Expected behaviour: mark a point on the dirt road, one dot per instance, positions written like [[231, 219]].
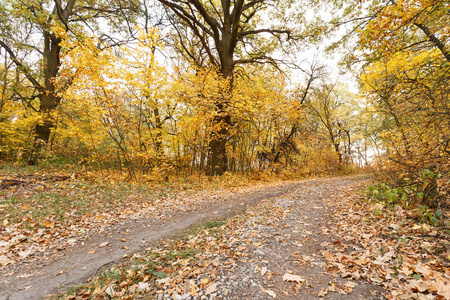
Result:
[[79, 263]]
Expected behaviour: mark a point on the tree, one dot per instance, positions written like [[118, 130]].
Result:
[[335, 108], [29, 37], [231, 34], [405, 49], [387, 27]]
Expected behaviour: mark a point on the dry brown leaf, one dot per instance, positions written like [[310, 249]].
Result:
[[211, 289], [269, 292], [143, 286], [418, 285], [104, 244], [322, 293], [49, 224], [293, 278]]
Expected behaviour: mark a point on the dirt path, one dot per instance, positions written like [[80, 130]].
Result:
[[285, 230], [79, 263], [283, 250]]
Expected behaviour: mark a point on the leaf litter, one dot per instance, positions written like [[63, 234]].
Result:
[[247, 256], [361, 247], [388, 247], [44, 214]]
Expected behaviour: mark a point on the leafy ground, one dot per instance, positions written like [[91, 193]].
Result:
[[104, 233], [316, 239], [323, 240], [42, 212]]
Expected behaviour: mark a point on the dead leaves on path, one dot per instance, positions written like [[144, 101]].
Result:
[[190, 267], [386, 247], [45, 214]]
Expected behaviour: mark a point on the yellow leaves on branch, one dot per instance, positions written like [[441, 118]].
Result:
[[394, 24], [404, 65]]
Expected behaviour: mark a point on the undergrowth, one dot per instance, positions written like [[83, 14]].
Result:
[[425, 195]]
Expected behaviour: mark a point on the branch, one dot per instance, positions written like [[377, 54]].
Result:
[[433, 39], [210, 20], [27, 100], [22, 67], [201, 38], [186, 16], [265, 30]]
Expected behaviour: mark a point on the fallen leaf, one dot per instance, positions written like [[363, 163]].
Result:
[[293, 278], [92, 252], [25, 254], [162, 280], [24, 275], [322, 293], [204, 281], [144, 286], [211, 289], [4, 260], [324, 244], [103, 244], [49, 224], [269, 292], [442, 288], [71, 241], [110, 291], [351, 284]]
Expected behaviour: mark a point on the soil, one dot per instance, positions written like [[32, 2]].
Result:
[[309, 212]]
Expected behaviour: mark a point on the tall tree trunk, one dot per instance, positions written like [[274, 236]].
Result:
[[48, 98], [217, 158], [221, 124], [159, 138]]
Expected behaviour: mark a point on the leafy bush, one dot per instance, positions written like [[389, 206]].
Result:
[[422, 195]]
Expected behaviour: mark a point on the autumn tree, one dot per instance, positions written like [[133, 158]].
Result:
[[29, 38], [231, 33], [404, 48], [336, 109]]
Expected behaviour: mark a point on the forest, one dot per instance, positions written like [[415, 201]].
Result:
[[149, 92], [150, 88]]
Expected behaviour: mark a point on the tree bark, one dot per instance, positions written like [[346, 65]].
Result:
[[48, 99], [217, 158]]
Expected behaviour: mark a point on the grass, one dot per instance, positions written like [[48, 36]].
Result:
[[93, 193], [214, 223]]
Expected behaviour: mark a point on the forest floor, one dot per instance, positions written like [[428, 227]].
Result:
[[293, 240]]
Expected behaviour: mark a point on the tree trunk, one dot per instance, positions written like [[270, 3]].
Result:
[[217, 158], [338, 152], [159, 138], [48, 98]]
